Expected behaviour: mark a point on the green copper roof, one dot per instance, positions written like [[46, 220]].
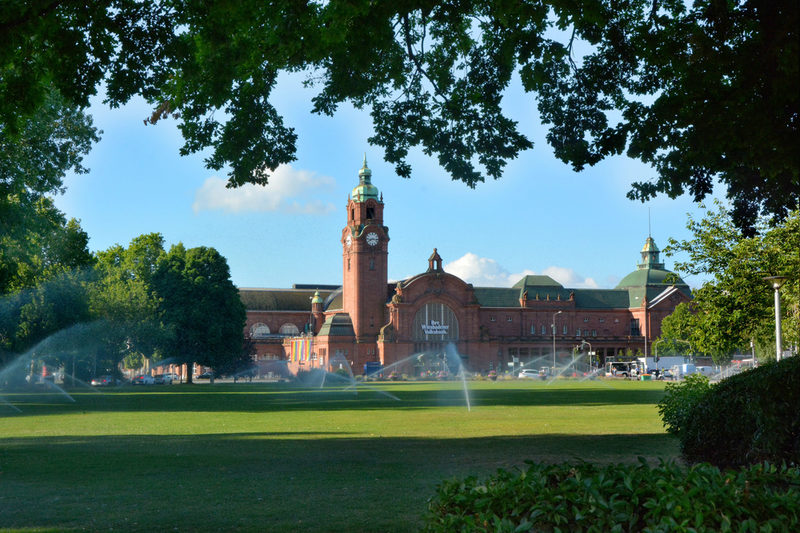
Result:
[[537, 281], [334, 301], [638, 294], [584, 298], [279, 299], [650, 276], [650, 253], [497, 297], [365, 189], [650, 245], [338, 325], [601, 299]]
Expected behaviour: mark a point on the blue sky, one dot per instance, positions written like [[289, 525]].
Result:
[[541, 217]]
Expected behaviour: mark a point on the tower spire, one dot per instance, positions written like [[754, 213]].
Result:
[[650, 255], [365, 189]]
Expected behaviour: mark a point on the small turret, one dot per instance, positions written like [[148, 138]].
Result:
[[650, 255], [317, 312], [435, 262], [365, 189]]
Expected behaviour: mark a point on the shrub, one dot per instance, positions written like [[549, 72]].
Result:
[[748, 418], [679, 400], [344, 372], [587, 497]]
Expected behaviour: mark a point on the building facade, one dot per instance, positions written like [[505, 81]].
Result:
[[401, 325]]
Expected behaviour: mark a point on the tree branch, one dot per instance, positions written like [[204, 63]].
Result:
[[416, 61], [31, 14]]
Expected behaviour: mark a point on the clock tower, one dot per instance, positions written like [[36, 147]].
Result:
[[365, 259]]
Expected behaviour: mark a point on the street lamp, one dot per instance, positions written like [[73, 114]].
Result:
[[777, 283], [591, 353], [655, 347], [553, 325]]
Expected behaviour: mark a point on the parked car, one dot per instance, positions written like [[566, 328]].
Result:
[[666, 374], [143, 379], [205, 375], [103, 381], [162, 379], [528, 373]]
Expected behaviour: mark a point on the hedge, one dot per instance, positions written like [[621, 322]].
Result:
[[591, 498], [746, 419]]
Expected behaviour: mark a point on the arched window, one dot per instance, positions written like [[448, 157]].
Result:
[[289, 329], [435, 322], [259, 331]]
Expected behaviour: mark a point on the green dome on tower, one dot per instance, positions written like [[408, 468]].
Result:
[[365, 189], [651, 271]]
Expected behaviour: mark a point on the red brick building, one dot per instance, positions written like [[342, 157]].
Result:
[[369, 319]]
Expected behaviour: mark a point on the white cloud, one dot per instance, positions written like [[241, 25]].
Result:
[[569, 278], [289, 191], [484, 272]]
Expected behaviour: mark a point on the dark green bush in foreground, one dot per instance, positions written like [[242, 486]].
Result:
[[679, 401], [746, 419], [588, 497]]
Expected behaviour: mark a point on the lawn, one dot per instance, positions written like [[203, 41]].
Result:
[[274, 457]]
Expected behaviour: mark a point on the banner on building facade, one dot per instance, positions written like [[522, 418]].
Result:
[[301, 349]]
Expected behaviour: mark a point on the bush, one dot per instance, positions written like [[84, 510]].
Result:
[[679, 400], [746, 419], [587, 497]]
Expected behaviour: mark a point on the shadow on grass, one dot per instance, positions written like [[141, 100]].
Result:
[[283, 397], [264, 481]]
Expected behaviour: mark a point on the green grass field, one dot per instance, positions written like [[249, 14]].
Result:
[[273, 457]]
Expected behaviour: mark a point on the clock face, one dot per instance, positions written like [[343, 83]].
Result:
[[372, 239], [348, 241]]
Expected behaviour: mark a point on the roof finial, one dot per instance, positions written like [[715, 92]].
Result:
[[649, 233], [365, 173]]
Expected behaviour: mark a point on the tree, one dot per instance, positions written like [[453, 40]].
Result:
[[45, 143], [44, 258], [241, 365], [735, 308], [41, 248], [124, 297], [200, 307], [677, 332], [700, 92], [45, 268], [36, 240], [42, 317]]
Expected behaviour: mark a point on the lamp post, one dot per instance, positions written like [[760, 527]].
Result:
[[777, 282], [591, 353], [655, 359], [554, 340], [655, 347]]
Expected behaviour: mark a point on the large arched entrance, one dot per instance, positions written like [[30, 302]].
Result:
[[435, 327]]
